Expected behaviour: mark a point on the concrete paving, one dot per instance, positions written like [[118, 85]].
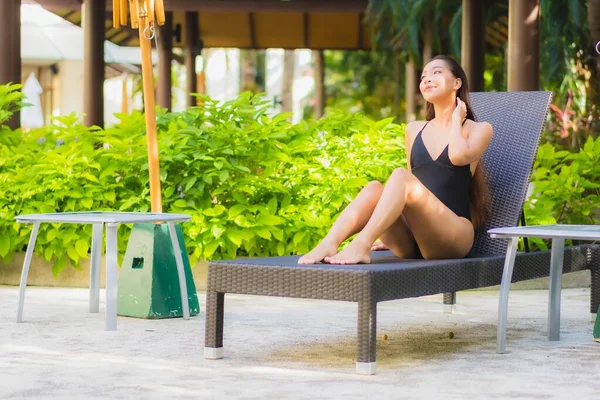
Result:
[[298, 349]]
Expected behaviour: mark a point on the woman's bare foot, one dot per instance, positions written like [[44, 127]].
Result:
[[355, 253], [316, 255], [378, 245]]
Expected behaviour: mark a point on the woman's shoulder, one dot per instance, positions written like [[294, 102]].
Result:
[[413, 127], [479, 127]]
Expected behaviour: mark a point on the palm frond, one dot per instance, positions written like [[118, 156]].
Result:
[[455, 33]]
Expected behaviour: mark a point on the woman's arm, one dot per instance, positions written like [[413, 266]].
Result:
[[410, 132], [461, 150]]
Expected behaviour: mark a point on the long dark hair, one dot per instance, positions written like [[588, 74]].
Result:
[[479, 195]]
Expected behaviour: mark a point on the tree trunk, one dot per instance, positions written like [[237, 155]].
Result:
[[289, 59], [411, 88], [252, 67], [398, 87], [248, 70], [427, 55], [319, 68], [594, 27]]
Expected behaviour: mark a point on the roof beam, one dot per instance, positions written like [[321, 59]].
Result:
[[346, 6], [306, 30], [252, 28], [359, 41]]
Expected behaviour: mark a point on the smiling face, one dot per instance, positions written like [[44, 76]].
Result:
[[437, 81]]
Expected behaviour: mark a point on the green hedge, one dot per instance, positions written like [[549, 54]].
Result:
[[255, 185], [565, 187]]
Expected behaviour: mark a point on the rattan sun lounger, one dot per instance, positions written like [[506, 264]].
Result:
[[518, 119]]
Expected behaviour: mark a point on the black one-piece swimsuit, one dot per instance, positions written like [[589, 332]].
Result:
[[448, 182]]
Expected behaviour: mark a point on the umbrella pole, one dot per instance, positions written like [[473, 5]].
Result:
[[150, 114]]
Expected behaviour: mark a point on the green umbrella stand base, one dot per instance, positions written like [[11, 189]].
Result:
[[597, 327], [148, 281]]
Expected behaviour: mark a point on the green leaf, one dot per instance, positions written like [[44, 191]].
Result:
[[73, 254], [263, 233], [235, 237], [82, 248], [277, 233], [240, 198], [588, 147], [223, 175], [51, 234], [280, 249], [269, 220], [59, 266], [91, 177], [215, 211], [4, 246], [210, 248], [272, 206], [87, 202], [48, 252], [242, 221], [110, 196], [190, 183], [236, 210], [128, 205], [217, 231], [181, 203]]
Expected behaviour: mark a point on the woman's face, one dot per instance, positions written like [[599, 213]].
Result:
[[437, 81]]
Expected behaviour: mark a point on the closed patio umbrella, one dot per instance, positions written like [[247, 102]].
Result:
[[145, 14]]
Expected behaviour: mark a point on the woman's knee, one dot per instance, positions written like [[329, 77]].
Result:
[[400, 173], [414, 189], [374, 188]]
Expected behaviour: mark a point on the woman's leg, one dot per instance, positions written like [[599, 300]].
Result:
[[352, 219], [397, 238], [448, 235]]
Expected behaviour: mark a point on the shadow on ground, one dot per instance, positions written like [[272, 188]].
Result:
[[403, 347]]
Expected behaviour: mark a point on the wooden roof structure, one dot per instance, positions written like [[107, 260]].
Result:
[[250, 24], [262, 24]]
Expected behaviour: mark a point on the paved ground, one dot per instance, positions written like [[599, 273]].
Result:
[[297, 349]]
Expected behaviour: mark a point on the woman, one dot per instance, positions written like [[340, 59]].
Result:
[[431, 209]]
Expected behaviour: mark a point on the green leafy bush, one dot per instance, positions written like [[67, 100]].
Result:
[[255, 185], [565, 188]]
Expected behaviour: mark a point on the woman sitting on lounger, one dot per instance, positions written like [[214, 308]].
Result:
[[431, 209]]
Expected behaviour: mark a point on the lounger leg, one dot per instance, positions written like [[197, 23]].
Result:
[[213, 335], [25, 271], [556, 268], [449, 302], [595, 293], [111, 277], [366, 338], [509, 264], [185, 303], [95, 267]]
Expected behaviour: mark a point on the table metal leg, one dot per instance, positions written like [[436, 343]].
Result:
[[25, 271], [111, 276], [556, 269], [95, 267], [509, 264], [185, 305]]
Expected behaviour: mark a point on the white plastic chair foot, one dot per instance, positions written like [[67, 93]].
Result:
[[364, 368], [449, 308], [212, 353]]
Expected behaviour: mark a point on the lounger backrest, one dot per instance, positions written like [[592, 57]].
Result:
[[518, 120]]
